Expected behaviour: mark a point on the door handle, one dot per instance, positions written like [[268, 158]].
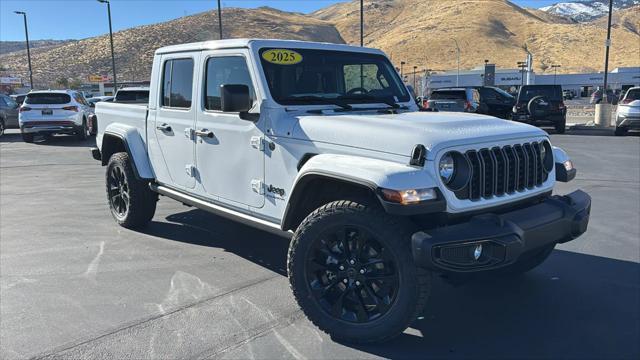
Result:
[[204, 133], [164, 128]]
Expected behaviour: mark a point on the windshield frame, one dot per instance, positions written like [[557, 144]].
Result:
[[405, 101]]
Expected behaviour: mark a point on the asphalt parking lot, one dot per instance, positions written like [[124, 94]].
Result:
[[192, 285]]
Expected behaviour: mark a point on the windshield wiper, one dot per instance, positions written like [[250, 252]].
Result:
[[387, 101], [321, 99]]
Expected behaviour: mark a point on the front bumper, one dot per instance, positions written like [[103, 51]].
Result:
[[490, 241], [629, 122]]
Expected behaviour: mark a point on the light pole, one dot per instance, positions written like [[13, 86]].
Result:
[[458, 73], [522, 65], [415, 70], [555, 72], [26, 33], [402, 69], [361, 22], [607, 45], [113, 57], [219, 20]]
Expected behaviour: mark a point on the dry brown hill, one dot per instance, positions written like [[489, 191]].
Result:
[[422, 32], [626, 18], [134, 47]]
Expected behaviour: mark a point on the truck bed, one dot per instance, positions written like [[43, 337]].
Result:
[[133, 115]]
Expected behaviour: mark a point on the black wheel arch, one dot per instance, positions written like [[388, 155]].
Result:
[[315, 189], [115, 143]]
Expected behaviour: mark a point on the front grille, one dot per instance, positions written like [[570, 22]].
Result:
[[503, 170]]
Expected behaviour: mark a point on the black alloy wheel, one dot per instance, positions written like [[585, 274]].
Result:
[[351, 275], [118, 191]]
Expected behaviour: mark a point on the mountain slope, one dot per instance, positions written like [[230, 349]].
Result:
[[134, 47], [12, 46], [626, 18], [421, 33], [587, 10]]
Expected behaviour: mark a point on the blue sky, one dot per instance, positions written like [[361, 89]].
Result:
[[78, 19]]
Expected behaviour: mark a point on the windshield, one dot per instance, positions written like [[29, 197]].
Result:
[[448, 95], [503, 93], [633, 94], [552, 92], [309, 76], [47, 98], [132, 96]]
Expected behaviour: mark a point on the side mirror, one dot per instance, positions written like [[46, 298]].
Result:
[[235, 98]]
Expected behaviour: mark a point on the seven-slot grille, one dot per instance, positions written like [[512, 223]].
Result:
[[503, 170]]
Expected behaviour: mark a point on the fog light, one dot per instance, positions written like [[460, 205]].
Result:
[[477, 252]]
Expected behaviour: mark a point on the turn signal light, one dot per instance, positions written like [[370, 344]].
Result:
[[70, 108], [407, 197]]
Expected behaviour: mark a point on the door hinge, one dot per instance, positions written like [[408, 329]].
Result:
[[257, 142], [257, 186], [190, 169], [188, 132]]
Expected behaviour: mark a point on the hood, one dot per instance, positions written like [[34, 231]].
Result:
[[399, 133]]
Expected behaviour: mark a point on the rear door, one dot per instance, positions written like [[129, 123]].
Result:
[[175, 118], [230, 158]]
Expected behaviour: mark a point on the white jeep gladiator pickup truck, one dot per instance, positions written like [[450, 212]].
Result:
[[324, 143]]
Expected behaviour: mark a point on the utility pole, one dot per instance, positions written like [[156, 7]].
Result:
[[555, 72], [361, 22], [607, 45], [113, 57], [415, 70], [219, 20], [458, 73], [26, 33]]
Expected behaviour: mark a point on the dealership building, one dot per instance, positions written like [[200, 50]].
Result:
[[511, 79]]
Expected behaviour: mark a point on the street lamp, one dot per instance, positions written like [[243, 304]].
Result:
[[415, 70], [522, 66], [361, 22], [26, 33], [458, 73], [402, 69], [113, 57], [607, 45], [219, 20], [555, 72]]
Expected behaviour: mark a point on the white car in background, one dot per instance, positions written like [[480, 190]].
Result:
[[51, 112], [628, 113]]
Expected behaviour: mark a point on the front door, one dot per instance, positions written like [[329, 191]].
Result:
[[229, 153], [174, 120]]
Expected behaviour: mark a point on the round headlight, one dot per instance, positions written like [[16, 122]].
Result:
[[446, 167]]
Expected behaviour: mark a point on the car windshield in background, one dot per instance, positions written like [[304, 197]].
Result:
[[448, 95], [552, 92], [132, 96], [633, 94], [309, 76], [47, 98], [503, 93]]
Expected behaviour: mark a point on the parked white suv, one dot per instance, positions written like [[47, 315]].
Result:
[[49, 112], [324, 143], [628, 112]]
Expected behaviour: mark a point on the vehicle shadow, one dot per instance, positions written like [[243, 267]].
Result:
[[56, 140], [572, 306]]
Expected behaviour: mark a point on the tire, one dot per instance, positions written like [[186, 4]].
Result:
[[131, 201], [384, 313], [529, 261], [561, 126], [620, 131], [83, 132], [1, 127], [28, 138]]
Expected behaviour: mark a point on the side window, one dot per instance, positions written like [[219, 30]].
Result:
[[221, 71], [177, 83]]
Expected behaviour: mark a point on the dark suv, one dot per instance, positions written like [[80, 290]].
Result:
[[487, 100], [541, 105]]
